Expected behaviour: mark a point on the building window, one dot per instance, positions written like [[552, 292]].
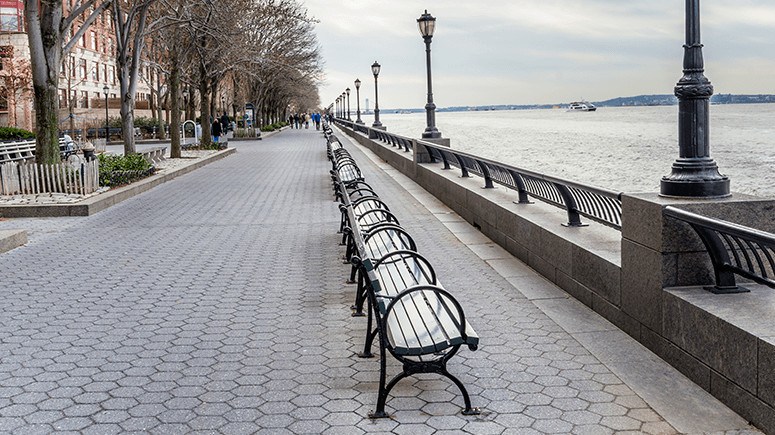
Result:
[[83, 69], [10, 19], [84, 99], [93, 37], [95, 75], [105, 72], [3, 100], [6, 53], [62, 98]]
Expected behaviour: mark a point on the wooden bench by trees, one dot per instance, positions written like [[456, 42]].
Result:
[[153, 155], [24, 150]]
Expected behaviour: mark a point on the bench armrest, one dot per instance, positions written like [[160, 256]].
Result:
[[402, 254], [446, 313], [387, 215]]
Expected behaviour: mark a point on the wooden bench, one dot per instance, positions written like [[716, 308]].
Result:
[[24, 150], [382, 240], [153, 155], [414, 318]]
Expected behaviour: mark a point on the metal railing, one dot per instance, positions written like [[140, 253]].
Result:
[[733, 249], [600, 205], [394, 140]]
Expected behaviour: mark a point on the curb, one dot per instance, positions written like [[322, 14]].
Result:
[[11, 239], [100, 202]]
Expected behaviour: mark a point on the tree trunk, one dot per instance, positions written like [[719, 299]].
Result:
[[174, 99], [127, 112], [43, 20], [204, 107], [47, 123]]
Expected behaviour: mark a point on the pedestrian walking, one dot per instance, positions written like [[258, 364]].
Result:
[[225, 122], [215, 131]]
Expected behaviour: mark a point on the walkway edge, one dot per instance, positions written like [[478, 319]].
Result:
[[12, 239], [100, 202]]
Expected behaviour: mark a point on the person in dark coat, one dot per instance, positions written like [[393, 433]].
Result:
[[225, 123], [215, 131]]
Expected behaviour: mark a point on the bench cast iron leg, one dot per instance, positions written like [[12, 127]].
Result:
[[468, 410], [382, 395], [369, 338], [360, 295]]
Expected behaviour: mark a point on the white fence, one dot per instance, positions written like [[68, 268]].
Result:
[[29, 178]]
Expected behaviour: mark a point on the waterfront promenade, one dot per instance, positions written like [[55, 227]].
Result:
[[217, 303]]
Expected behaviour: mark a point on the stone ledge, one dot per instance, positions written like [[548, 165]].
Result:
[[102, 201], [12, 239]]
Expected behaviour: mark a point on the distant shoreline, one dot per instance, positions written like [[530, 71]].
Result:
[[636, 101]]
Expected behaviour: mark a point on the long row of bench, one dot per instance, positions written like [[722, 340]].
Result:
[[409, 313]]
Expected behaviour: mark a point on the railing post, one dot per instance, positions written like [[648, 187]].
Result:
[[521, 189], [445, 161], [719, 257], [462, 166], [574, 219], [486, 174]]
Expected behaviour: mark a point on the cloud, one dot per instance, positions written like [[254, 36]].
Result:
[[515, 52]]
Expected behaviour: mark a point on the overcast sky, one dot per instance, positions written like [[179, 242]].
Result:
[[538, 51]]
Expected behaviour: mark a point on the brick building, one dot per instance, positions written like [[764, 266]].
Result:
[[87, 70]]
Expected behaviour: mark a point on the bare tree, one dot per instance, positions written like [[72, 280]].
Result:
[[50, 36], [130, 21]]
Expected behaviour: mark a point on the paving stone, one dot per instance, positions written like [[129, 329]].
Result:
[[216, 303]]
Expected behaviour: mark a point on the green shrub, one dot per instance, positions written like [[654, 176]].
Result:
[[117, 170], [273, 127], [13, 133]]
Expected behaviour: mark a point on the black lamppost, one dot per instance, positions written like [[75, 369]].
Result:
[[375, 67], [105, 90], [694, 174], [223, 104], [427, 25], [344, 106], [336, 112], [185, 104], [347, 91], [358, 102]]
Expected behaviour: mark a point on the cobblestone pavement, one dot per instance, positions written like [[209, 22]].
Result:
[[216, 303]]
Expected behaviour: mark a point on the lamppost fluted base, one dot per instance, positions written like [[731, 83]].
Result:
[[378, 125], [695, 180]]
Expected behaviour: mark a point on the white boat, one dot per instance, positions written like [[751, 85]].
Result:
[[581, 106]]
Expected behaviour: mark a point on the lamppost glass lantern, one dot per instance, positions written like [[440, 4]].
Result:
[[358, 102], [105, 90], [427, 24], [375, 68]]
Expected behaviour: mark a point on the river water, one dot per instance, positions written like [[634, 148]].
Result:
[[625, 149]]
